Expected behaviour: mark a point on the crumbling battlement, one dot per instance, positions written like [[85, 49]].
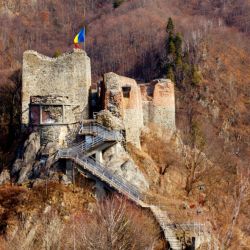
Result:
[[123, 100], [55, 96], [55, 92], [139, 105], [158, 100], [68, 75]]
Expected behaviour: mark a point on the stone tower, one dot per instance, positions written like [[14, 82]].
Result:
[[139, 105], [55, 93], [123, 99], [158, 101]]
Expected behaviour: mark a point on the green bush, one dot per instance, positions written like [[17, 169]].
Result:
[[196, 76], [57, 53]]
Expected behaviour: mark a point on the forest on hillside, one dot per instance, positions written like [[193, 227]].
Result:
[[135, 29], [130, 38], [202, 45]]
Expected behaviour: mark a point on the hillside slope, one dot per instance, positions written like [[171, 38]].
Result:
[[130, 40]]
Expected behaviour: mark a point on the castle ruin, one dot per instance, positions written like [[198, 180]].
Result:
[[56, 97]]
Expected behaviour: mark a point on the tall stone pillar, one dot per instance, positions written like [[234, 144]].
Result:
[[99, 157]]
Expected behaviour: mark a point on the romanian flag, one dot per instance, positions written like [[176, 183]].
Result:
[[80, 37]]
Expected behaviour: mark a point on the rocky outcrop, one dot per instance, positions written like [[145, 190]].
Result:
[[23, 167], [35, 160], [121, 164], [107, 119]]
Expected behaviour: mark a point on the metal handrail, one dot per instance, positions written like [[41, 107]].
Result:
[[103, 134], [132, 187], [78, 153], [96, 166], [94, 127], [114, 181], [81, 147]]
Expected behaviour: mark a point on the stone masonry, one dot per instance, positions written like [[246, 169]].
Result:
[[55, 97], [123, 100], [158, 101], [139, 105], [55, 92]]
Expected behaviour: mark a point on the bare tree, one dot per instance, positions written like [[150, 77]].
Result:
[[241, 190], [113, 224]]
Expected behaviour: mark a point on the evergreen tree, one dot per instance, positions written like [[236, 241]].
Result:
[[196, 76], [170, 26], [178, 61], [175, 63], [171, 48], [170, 74], [178, 44]]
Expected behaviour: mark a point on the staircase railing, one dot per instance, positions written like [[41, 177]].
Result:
[[101, 133], [98, 129], [124, 185], [80, 148], [98, 170], [78, 154]]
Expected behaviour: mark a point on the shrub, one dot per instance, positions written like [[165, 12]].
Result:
[[57, 53]]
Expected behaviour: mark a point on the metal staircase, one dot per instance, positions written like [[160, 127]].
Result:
[[101, 138], [79, 154]]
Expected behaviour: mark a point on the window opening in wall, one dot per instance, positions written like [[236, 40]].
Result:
[[126, 91], [52, 114], [46, 114], [35, 115]]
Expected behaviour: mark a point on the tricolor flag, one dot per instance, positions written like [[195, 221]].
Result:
[[80, 37]]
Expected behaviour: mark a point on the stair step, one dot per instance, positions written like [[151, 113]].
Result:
[[86, 163]]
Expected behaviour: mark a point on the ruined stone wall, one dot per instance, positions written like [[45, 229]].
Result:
[[67, 77], [159, 103], [128, 108], [146, 104]]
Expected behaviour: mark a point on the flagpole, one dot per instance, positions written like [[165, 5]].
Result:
[[84, 44]]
